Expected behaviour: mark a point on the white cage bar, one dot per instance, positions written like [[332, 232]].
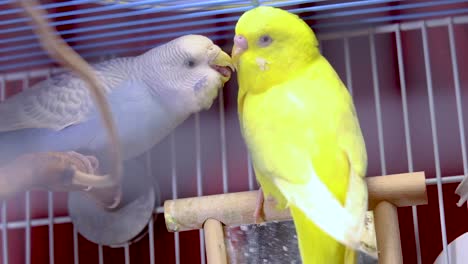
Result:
[[347, 58], [27, 198], [456, 79], [199, 174], [50, 213], [378, 108], [409, 153], [149, 170], [174, 191], [4, 203], [430, 89]]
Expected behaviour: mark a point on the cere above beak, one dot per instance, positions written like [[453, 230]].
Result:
[[240, 45]]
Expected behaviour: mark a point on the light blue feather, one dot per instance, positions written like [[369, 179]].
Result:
[[140, 115]]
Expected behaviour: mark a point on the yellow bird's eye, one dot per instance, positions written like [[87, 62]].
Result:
[[264, 41]]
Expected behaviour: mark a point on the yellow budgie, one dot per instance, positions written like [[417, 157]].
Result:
[[301, 129]]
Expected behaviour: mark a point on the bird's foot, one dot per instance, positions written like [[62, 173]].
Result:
[[258, 213], [103, 188]]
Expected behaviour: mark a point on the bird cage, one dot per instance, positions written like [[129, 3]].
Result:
[[404, 63]]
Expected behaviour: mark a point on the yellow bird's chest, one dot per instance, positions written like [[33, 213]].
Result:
[[287, 129], [286, 115], [273, 125], [263, 124]]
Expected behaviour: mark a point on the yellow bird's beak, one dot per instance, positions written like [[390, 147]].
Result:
[[240, 45], [222, 63]]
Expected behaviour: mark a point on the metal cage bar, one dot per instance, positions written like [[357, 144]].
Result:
[[21, 224], [409, 153], [4, 203], [328, 36], [198, 166], [174, 192], [76, 256], [27, 200], [427, 66], [149, 171], [347, 58], [178, 7], [221, 11], [222, 131], [182, 24], [45, 6], [456, 81], [378, 107], [381, 29], [118, 15], [151, 240], [250, 172], [100, 254], [127, 253], [50, 214]]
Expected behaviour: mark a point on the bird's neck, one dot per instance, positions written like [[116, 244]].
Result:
[[258, 79]]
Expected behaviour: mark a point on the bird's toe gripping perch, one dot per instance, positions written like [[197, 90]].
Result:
[[102, 210], [54, 171], [121, 224], [104, 189]]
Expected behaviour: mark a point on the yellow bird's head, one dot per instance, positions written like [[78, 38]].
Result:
[[271, 45]]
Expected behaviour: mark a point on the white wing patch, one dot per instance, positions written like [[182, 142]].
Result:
[[345, 224]]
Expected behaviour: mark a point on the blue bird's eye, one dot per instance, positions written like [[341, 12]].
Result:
[[190, 63]]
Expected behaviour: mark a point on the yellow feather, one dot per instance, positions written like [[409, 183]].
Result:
[[297, 117]]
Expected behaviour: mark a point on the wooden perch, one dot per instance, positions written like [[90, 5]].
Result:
[[238, 208], [214, 240], [388, 233], [405, 189], [386, 193], [56, 171]]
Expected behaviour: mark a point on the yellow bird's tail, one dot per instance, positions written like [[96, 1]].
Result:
[[317, 247]]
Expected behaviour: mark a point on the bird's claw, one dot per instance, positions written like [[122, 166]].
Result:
[[90, 181], [258, 213], [103, 188]]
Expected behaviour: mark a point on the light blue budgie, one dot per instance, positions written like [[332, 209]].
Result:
[[149, 95]]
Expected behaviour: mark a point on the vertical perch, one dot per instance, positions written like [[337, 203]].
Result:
[[214, 242], [388, 233]]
